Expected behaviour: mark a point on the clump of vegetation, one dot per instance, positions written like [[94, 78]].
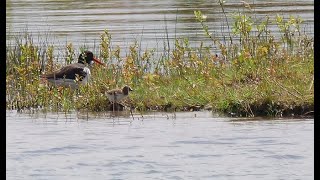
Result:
[[256, 74]]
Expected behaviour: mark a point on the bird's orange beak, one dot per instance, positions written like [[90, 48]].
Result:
[[98, 61]]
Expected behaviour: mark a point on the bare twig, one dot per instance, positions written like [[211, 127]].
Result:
[[225, 15], [311, 84], [286, 89]]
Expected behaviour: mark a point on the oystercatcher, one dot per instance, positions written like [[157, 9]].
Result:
[[70, 74], [116, 95]]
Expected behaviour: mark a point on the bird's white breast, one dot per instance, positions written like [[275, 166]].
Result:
[[86, 79]]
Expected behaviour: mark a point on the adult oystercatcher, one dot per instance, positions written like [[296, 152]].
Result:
[[70, 74]]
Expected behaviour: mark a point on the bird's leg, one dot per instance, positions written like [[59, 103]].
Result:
[[115, 100], [131, 113]]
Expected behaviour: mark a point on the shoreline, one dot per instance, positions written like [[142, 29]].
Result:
[[304, 111]]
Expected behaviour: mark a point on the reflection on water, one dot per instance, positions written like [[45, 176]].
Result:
[[193, 145], [151, 23]]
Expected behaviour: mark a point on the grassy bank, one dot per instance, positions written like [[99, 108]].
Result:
[[256, 74]]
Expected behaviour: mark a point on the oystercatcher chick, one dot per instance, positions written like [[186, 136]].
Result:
[[117, 95]]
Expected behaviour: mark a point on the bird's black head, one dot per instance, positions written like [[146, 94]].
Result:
[[86, 57], [126, 89]]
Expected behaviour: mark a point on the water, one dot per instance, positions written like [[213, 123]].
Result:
[[157, 146], [151, 23], [194, 145]]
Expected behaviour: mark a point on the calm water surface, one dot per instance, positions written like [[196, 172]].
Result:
[[193, 145], [150, 23], [157, 146]]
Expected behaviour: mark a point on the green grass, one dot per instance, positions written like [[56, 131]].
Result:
[[260, 75]]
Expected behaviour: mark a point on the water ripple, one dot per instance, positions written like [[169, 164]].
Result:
[[206, 148], [201, 142], [288, 156]]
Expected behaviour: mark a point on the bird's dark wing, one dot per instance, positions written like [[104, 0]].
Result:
[[114, 91], [67, 72]]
